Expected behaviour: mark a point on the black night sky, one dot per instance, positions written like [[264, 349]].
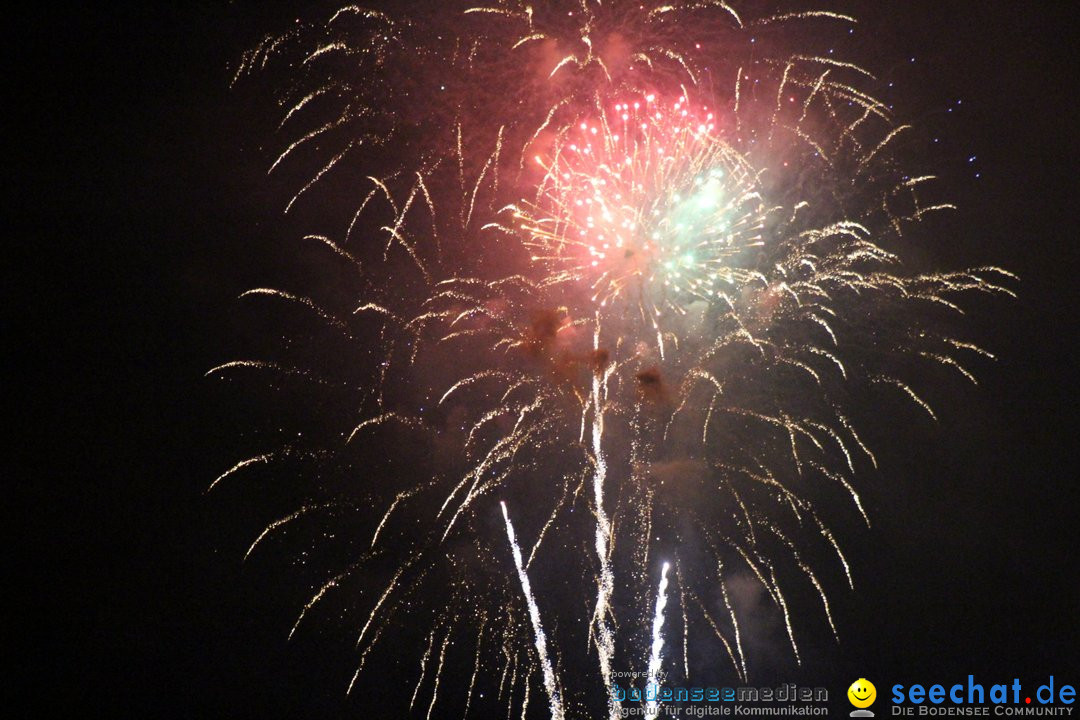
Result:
[[138, 217]]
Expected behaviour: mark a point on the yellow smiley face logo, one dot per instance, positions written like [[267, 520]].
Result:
[[862, 693]]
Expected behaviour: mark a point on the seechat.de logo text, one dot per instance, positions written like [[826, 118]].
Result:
[[974, 698]]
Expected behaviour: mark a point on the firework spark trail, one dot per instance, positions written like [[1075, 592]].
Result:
[[605, 638], [550, 685], [720, 636], [321, 593], [423, 669], [547, 525], [386, 516], [525, 701], [475, 673], [652, 707], [734, 624], [685, 623], [438, 674], [237, 467], [281, 522], [363, 660], [779, 596]]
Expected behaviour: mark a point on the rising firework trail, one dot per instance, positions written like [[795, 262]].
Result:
[[652, 707], [637, 269], [554, 698]]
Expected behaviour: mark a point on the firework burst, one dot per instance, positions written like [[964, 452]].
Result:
[[647, 205], [620, 282]]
